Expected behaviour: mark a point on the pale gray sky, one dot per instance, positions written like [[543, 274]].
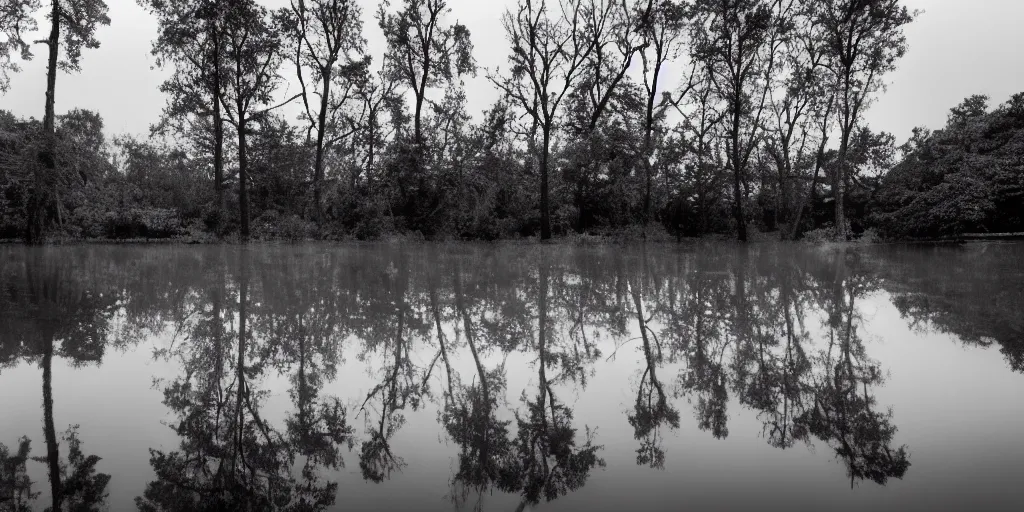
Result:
[[957, 48]]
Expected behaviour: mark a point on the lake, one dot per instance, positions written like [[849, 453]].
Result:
[[512, 377]]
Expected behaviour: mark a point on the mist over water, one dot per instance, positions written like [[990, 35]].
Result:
[[508, 377]]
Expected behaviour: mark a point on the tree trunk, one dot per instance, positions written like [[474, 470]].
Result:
[[737, 173], [418, 123], [243, 178], [218, 132], [840, 185], [809, 198], [52, 452], [545, 214], [737, 197], [47, 165], [648, 140], [318, 165]]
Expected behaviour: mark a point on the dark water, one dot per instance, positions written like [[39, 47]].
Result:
[[471, 377]]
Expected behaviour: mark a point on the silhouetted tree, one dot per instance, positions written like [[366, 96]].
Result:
[[549, 52], [328, 43]]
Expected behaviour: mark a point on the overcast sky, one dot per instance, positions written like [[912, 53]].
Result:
[[957, 48]]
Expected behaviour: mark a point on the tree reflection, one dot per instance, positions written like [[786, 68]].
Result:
[[546, 462], [651, 409], [50, 307], [229, 458], [299, 321], [772, 366], [697, 327], [722, 329], [15, 485], [470, 418], [978, 299], [388, 326], [739, 323], [842, 413]]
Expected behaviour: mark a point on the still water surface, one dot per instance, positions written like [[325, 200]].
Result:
[[461, 377]]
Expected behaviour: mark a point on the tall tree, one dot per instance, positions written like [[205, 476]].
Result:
[[253, 55], [798, 95], [661, 27], [736, 42], [74, 23], [373, 95], [548, 56], [190, 37], [863, 40], [328, 43]]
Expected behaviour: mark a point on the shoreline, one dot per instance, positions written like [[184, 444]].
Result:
[[571, 240]]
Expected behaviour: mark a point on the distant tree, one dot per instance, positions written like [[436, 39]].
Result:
[[374, 95], [609, 26], [971, 107], [961, 179], [548, 56], [799, 94], [736, 42], [696, 150], [661, 26]]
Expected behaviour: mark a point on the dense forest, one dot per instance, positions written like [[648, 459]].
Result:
[[759, 130]]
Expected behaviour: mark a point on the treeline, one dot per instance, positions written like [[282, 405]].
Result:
[[691, 118]]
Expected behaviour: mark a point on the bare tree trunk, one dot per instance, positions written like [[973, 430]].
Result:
[[737, 171], [840, 184], [810, 196]]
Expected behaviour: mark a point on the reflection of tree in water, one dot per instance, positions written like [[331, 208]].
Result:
[[15, 485], [771, 364], [229, 457], [470, 417], [299, 321], [761, 304], [731, 324], [651, 409], [48, 309], [388, 325], [842, 412], [696, 327], [978, 299], [546, 462]]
